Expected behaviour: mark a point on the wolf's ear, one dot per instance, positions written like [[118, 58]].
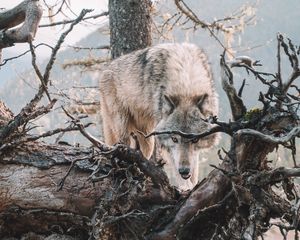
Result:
[[200, 100], [169, 104]]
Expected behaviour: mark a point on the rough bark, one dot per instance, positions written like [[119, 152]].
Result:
[[30, 198], [36, 181], [130, 26]]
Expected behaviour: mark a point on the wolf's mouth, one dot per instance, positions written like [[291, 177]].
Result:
[[185, 176]]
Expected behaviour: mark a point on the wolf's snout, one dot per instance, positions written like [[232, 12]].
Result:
[[184, 172]]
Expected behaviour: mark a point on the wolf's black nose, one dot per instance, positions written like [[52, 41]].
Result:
[[184, 171]]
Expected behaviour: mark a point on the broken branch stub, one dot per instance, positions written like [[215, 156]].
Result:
[[238, 108], [29, 12]]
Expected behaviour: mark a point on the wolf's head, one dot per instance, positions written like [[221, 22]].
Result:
[[186, 114]]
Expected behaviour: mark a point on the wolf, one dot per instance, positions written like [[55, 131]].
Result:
[[164, 87]]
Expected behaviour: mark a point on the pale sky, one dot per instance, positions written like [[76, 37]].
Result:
[[50, 35]]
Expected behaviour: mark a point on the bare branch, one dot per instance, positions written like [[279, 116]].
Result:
[[294, 61], [238, 108], [218, 24], [55, 131], [4, 61], [89, 62], [242, 88], [30, 138], [295, 132], [23, 117], [37, 71], [236, 22], [293, 76], [97, 143], [212, 130], [189, 13], [73, 20], [279, 76], [77, 48], [45, 78], [61, 40]]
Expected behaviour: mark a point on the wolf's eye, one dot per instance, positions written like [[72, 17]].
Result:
[[174, 139], [195, 140], [200, 101]]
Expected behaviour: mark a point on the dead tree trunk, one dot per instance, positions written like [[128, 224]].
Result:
[[74, 191]]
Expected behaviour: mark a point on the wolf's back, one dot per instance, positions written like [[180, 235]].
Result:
[[142, 78]]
